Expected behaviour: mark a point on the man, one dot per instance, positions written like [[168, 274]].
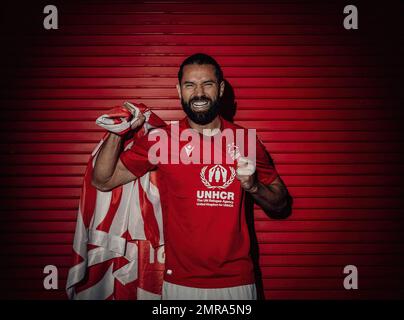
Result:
[[206, 235]]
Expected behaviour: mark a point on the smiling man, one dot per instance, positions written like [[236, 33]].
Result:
[[207, 243]]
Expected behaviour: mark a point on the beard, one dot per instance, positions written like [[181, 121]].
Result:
[[204, 116]]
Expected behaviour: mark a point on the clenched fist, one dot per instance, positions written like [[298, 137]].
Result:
[[246, 174]]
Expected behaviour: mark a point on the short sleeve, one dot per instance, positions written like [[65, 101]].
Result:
[[264, 165], [136, 158]]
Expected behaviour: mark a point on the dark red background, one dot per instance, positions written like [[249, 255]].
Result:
[[326, 101]]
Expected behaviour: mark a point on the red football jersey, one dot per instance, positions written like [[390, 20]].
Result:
[[207, 242]]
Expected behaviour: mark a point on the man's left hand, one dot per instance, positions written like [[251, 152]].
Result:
[[246, 174]]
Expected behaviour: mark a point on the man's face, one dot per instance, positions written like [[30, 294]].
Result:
[[200, 93]]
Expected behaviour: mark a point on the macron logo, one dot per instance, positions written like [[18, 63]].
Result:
[[188, 149]]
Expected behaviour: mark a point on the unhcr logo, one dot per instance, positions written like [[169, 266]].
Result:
[[217, 176]]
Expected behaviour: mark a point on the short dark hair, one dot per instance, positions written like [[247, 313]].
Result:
[[201, 58]]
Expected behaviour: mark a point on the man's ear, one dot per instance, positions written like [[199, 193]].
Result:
[[222, 85], [179, 91]]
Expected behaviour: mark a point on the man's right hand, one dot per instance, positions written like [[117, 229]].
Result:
[[121, 119], [138, 116]]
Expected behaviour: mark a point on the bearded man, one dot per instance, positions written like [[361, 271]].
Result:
[[207, 241]]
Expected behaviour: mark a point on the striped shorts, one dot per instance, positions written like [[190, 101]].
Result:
[[171, 291]]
